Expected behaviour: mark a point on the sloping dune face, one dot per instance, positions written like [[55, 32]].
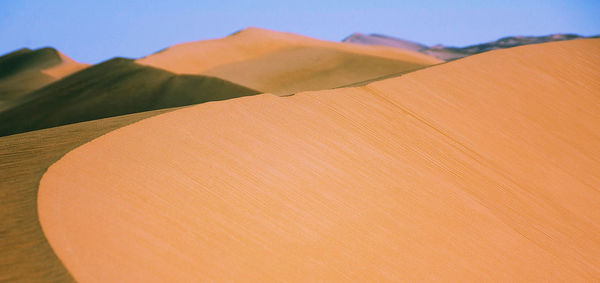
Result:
[[260, 52], [479, 169]]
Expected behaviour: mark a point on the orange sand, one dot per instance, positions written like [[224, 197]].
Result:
[[26, 255], [482, 169]]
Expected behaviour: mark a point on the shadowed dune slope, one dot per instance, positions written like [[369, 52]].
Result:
[[26, 255], [269, 61], [25, 70], [115, 87], [482, 169]]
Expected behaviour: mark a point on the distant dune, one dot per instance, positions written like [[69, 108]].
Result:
[[285, 63], [112, 88], [25, 70], [449, 53], [481, 169], [378, 39]]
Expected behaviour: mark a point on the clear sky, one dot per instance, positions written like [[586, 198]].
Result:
[[95, 30]]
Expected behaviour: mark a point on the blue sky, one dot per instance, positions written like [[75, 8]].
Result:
[[93, 31]]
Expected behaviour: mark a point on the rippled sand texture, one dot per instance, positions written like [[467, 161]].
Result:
[[486, 168], [25, 253]]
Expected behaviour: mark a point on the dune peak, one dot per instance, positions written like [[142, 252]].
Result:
[[268, 60]]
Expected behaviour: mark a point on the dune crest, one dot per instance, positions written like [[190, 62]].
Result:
[[26, 255], [480, 169]]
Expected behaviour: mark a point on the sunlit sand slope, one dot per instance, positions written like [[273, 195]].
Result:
[[285, 63], [26, 255], [481, 169]]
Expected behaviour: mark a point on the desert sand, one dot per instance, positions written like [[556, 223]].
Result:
[[48, 97], [481, 169], [26, 255], [285, 63]]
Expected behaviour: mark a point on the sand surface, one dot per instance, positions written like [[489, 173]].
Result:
[[274, 59], [26, 255], [486, 168]]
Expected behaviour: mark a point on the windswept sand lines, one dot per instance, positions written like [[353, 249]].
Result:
[[485, 168], [26, 255]]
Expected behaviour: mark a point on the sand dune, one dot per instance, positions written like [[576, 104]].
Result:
[[481, 169], [113, 88], [274, 59], [25, 70]]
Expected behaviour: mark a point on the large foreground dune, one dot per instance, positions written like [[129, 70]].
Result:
[[481, 169], [285, 63]]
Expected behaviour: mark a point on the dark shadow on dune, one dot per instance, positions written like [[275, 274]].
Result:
[[112, 88], [26, 59], [20, 73]]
